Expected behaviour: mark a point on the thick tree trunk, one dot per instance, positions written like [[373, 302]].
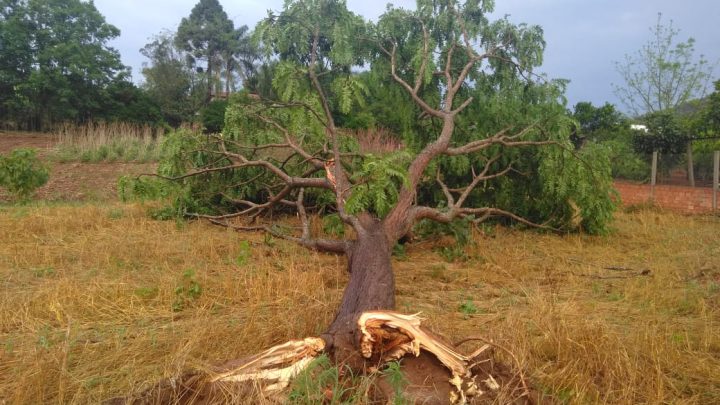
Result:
[[372, 282]]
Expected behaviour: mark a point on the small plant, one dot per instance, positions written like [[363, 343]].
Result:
[[452, 254], [399, 252], [395, 377], [319, 383], [333, 225], [243, 253], [147, 292], [468, 308], [44, 272], [21, 173], [189, 291]]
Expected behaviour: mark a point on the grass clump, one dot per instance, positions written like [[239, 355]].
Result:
[[96, 142]]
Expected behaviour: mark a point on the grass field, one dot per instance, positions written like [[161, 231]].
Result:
[[98, 300]]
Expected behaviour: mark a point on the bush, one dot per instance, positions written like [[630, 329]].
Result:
[[21, 173], [213, 116]]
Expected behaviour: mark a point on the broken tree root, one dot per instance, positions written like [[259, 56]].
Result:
[[434, 370]]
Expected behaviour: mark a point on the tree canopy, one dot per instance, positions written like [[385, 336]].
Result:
[[476, 117], [207, 34], [663, 74], [55, 65]]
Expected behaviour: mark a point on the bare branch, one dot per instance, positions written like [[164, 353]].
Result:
[[421, 73], [413, 93], [321, 245], [422, 212]]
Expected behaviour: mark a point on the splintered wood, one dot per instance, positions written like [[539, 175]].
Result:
[[393, 335], [276, 367], [384, 336]]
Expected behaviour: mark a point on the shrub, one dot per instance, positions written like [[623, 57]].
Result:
[[213, 116], [21, 173]]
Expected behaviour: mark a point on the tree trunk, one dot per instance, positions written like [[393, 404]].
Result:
[[210, 78], [372, 282]]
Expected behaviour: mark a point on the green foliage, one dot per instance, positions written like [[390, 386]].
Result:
[[213, 116], [663, 74], [170, 80], [56, 65], [379, 178], [318, 383], [187, 292], [21, 173], [244, 253], [393, 374], [467, 308], [625, 162], [663, 135], [333, 225], [551, 184], [206, 34]]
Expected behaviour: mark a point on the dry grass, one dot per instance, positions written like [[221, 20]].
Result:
[[86, 310], [108, 142]]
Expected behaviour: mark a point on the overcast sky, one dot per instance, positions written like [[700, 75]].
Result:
[[584, 37]]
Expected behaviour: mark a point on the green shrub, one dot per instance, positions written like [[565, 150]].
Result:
[[21, 173], [213, 116]]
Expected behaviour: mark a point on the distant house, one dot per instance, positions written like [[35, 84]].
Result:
[[637, 127]]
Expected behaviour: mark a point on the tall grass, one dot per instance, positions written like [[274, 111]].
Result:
[[108, 142], [88, 309]]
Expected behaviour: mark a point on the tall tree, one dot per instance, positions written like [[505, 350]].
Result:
[[207, 34], [240, 58], [480, 119], [59, 59], [663, 74], [171, 81]]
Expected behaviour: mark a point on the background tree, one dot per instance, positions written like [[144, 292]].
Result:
[[240, 58], [170, 81], [57, 66], [207, 34], [663, 73], [480, 119]]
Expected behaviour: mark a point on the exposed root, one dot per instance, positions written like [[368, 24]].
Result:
[[435, 371], [393, 335]]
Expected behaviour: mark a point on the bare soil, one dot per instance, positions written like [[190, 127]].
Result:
[[71, 181]]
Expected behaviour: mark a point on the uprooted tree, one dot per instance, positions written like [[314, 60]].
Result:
[[486, 141]]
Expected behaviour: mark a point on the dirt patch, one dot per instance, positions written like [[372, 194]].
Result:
[[71, 181], [13, 140]]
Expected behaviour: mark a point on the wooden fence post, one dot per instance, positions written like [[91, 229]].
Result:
[[653, 175], [716, 178], [691, 170]]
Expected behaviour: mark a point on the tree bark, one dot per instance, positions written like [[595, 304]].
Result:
[[372, 282]]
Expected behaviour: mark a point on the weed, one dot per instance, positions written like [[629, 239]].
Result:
[[399, 252], [395, 377], [43, 272], [187, 292], [244, 253], [44, 339], [21, 173], [452, 254], [318, 383], [116, 213], [467, 308], [147, 292]]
